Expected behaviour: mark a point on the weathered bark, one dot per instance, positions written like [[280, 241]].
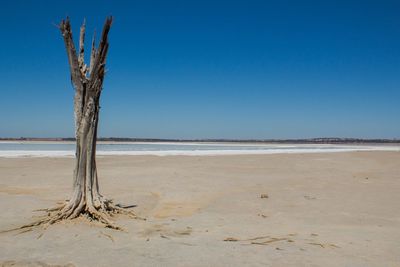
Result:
[[87, 81], [86, 197]]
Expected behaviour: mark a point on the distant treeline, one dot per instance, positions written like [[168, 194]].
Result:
[[329, 140]]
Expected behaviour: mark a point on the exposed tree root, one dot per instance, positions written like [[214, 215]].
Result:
[[72, 209]]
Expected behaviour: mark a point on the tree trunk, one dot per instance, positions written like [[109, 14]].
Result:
[[87, 81]]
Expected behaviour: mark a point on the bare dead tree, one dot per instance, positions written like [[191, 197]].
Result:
[[87, 80]]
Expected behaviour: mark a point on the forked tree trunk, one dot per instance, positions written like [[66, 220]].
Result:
[[88, 81]]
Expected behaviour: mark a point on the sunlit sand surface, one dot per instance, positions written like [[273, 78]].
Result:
[[316, 209]]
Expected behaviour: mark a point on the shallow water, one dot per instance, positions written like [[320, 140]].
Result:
[[62, 149]]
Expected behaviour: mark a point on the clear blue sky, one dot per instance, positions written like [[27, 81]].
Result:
[[209, 69]]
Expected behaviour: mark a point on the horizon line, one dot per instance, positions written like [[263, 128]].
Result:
[[136, 139]]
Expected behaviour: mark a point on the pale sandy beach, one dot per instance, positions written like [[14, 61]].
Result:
[[320, 209]]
